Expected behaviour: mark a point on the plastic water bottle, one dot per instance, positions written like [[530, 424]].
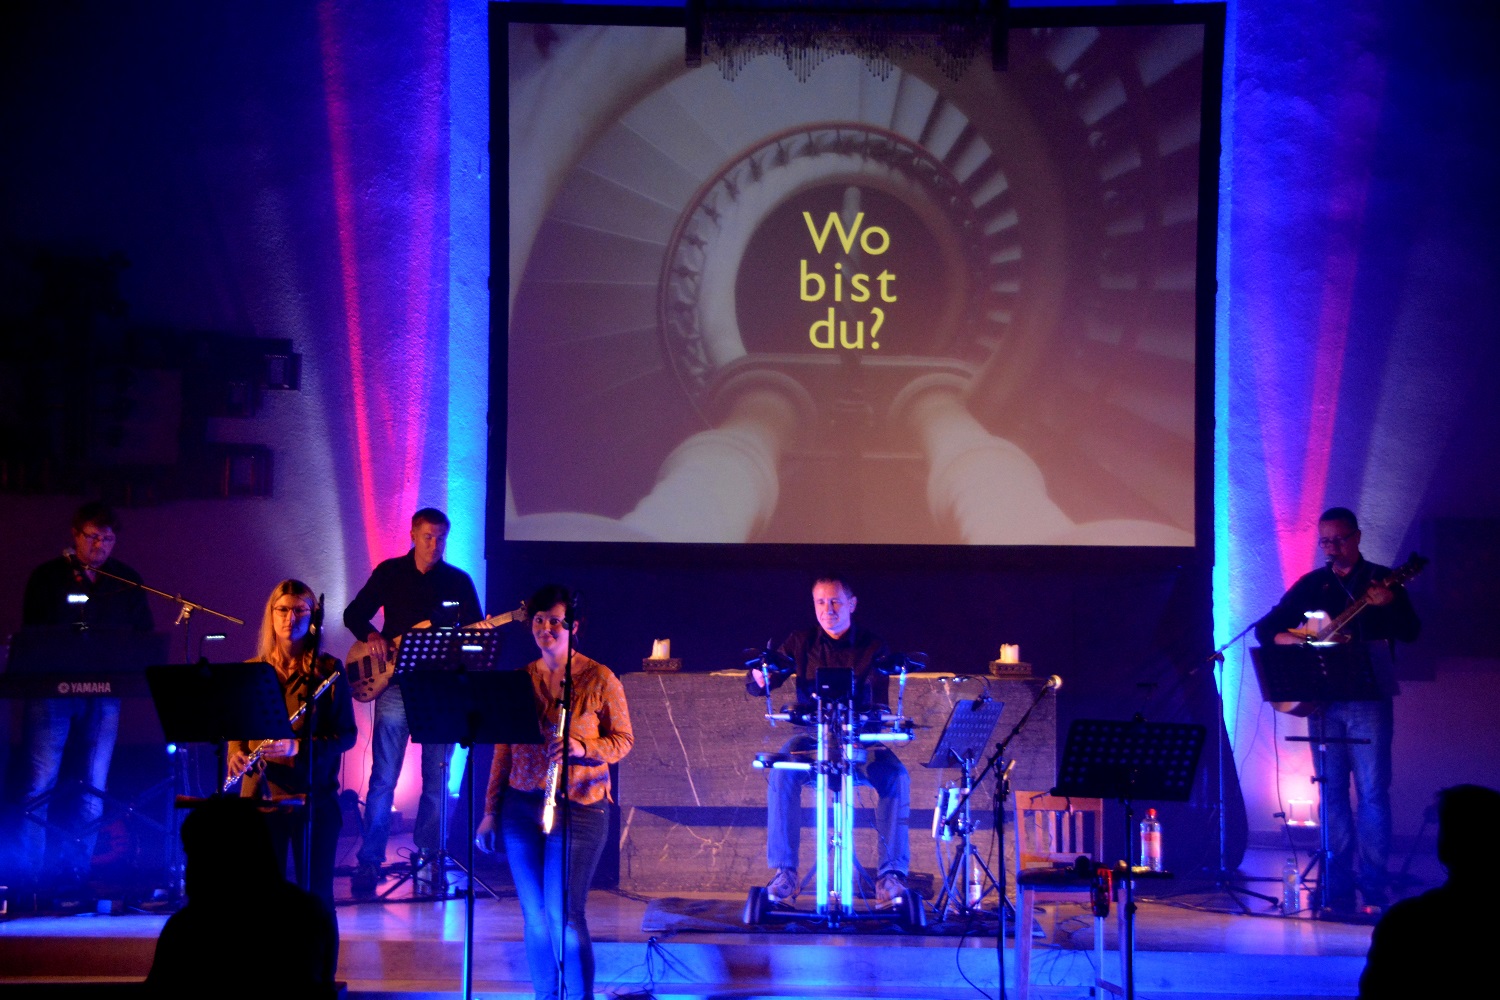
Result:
[[1151, 841], [1291, 888]]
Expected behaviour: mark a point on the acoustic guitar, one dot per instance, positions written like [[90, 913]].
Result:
[[1322, 631], [368, 677]]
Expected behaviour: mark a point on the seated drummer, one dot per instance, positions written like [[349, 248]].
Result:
[[836, 642]]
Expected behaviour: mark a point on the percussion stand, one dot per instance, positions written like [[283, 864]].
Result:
[[838, 752], [970, 725], [967, 863]]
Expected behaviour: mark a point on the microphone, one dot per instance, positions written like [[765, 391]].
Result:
[[574, 607], [75, 564], [317, 615], [1053, 683]]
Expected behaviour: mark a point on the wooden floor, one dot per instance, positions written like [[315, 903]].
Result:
[[1185, 950]]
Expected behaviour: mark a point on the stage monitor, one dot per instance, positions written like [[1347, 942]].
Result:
[[805, 297]]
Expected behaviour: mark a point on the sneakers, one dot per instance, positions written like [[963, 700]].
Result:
[[365, 876], [890, 890], [783, 888]]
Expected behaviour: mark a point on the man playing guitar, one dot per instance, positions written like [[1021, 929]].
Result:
[[415, 588], [1386, 617]]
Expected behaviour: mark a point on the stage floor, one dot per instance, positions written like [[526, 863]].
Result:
[[1185, 950]]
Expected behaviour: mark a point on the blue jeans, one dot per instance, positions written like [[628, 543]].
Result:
[[536, 867], [389, 741], [883, 771], [90, 725], [1366, 831]]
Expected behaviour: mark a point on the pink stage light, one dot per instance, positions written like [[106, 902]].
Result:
[[341, 165]]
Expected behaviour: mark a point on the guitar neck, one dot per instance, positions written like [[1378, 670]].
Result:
[[1411, 568], [504, 618]]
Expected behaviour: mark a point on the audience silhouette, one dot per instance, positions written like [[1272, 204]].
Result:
[[1437, 944], [245, 929]]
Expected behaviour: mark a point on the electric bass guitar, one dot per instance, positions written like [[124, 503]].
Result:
[[369, 677], [1322, 631]]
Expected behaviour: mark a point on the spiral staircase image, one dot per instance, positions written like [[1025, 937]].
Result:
[[689, 361]]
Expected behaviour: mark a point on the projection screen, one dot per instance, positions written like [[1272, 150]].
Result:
[[861, 309]]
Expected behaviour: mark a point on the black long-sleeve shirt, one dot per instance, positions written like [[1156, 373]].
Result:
[[811, 648], [410, 596], [110, 603], [1324, 590]]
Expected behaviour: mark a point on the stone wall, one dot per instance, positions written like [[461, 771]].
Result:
[[693, 806]]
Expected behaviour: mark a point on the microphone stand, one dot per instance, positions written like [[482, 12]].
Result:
[[1222, 876], [1002, 790], [309, 727], [184, 611], [566, 833], [184, 615]]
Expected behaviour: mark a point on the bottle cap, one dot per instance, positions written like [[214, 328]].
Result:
[[1151, 813]]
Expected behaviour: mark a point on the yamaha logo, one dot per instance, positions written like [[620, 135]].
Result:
[[84, 687]]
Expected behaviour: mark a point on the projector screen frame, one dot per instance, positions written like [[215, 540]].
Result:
[[1210, 16]]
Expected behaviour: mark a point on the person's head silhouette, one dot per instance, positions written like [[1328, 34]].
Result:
[[228, 846], [1468, 817]]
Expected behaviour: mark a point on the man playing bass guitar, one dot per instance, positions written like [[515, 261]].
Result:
[[417, 587], [1386, 617]]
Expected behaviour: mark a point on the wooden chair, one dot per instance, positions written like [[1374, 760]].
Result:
[[1052, 831]]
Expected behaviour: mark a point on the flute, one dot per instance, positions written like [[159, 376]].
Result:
[[554, 773], [254, 759]]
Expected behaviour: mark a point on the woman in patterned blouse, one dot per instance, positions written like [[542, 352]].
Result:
[[556, 928]]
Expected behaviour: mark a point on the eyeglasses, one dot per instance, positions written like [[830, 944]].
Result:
[[95, 538], [547, 621], [293, 612], [1336, 540]]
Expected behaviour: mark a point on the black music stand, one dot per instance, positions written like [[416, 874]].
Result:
[[1309, 676], [428, 649], [215, 703], [219, 702], [970, 725], [1312, 675], [422, 653], [463, 707], [1130, 761]]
